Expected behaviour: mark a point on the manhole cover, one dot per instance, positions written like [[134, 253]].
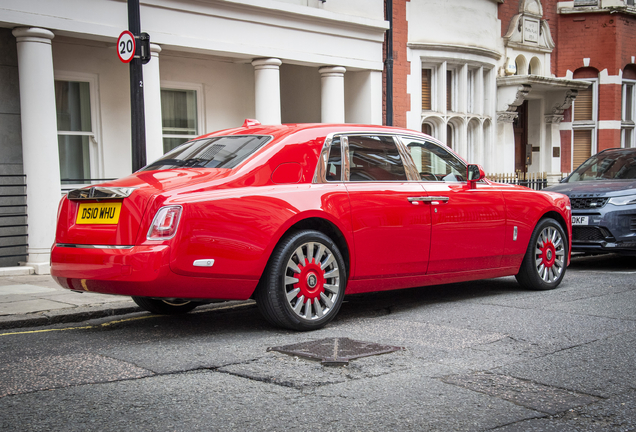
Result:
[[335, 351]]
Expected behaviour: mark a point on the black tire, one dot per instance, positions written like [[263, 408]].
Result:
[[302, 297], [545, 262], [165, 307]]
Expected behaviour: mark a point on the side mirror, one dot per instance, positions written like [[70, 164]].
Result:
[[474, 173]]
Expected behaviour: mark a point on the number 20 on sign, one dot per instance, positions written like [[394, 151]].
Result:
[[126, 46]]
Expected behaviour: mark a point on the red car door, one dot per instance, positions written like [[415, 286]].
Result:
[[468, 225], [391, 231]]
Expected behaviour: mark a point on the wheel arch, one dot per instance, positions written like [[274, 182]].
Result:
[[560, 219], [322, 225]]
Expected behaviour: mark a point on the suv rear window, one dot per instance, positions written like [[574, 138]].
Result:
[[215, 152]]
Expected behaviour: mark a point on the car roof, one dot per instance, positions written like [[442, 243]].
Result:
[[278, 131]]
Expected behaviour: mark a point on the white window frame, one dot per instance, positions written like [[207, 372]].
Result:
[[628, 124], [198, 88], [96, 155], [591, 125]]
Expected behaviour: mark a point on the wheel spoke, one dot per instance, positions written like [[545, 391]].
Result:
[[310, 250], [332, 273], [318, 308], [300, 255], [308, 313], [292, 265], [327, 300], [319, 252], [327, 261], [289, 280], [332, 288], [299, 304], [292, 294]]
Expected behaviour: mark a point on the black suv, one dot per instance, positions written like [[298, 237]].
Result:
[[603, 195]]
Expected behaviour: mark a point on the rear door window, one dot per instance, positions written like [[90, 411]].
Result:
[[374, 158]]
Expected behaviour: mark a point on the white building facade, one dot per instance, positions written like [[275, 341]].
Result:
[[214, 64]]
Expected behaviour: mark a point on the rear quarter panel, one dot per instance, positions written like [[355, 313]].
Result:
[[239, 228]]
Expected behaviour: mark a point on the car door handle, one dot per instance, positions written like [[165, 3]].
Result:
[[429, 199]]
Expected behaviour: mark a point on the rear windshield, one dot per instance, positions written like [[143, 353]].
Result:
[[614, 165], [215, 152]]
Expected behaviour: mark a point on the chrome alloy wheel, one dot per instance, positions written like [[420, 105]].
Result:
[[550, 254], [312, 281]]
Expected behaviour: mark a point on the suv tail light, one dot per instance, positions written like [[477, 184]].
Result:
[[164, 225]]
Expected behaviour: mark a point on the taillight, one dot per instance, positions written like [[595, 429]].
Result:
[[164, 225]]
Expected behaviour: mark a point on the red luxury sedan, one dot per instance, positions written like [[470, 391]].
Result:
[[297, 216]]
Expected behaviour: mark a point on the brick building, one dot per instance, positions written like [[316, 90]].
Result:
[[496, 79]]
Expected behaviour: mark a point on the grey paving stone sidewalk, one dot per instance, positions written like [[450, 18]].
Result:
[[32, 300]]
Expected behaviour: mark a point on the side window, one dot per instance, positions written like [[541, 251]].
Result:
[[435, 163], [374, 158], [334, 164]]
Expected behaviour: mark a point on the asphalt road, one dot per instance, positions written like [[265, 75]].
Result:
[[478, 356]]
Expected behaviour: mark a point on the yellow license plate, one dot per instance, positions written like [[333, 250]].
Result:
[[98, 213]]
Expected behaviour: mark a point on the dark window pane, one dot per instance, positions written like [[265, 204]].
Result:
[[374, 158], [74, 158], [334, 164], [216, 152], [179, 112], [73, 106]]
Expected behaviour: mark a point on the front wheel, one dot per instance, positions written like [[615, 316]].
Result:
[[544, 264], [304, 282], [165, 307]]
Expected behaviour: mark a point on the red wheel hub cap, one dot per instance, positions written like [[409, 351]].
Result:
[[311, 279], [548, 254]]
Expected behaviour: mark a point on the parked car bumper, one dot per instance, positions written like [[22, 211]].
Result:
[[142, 271]]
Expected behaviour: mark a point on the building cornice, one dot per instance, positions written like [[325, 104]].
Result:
[[463, 49]]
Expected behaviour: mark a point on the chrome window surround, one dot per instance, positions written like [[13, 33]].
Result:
[[83, 246], [412, 173], [100, 192]]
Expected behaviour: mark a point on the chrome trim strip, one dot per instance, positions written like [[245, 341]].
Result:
[[82, 246], [100, 192]]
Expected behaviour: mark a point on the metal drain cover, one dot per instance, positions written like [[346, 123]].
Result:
[[335, 351]]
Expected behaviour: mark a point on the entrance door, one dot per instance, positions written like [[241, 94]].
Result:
[[520, 126]]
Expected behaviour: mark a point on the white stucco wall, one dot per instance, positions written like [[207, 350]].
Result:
[[458, 22]]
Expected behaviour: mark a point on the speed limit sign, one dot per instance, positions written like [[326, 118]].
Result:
[[126, 46]]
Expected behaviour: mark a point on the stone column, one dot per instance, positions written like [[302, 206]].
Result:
[[267, 90], [39, 141], [332, 105], [552, 156], [152, 106], [505, 143]]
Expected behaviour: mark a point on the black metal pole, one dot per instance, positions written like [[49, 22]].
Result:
[[389, 64], [138, 119]]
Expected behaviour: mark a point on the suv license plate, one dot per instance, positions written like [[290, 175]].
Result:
[[579, 220]]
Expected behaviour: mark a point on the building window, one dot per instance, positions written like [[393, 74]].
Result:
[[75, 135], [426, 89], [584, 126], [449, 91], [179, 117], [629, 108]]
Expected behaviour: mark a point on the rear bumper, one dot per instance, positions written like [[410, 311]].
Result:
[[142, 271]]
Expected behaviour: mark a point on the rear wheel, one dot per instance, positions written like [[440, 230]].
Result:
[[165, 307], [304, 282], [544, 264]]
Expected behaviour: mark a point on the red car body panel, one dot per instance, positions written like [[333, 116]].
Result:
[[237, 217]]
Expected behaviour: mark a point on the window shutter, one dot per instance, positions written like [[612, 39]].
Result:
[[583, 105], [426, 89], [582, 147]]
